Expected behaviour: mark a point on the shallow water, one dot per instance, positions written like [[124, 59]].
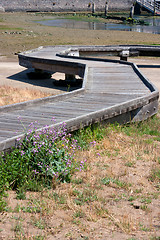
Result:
[[154, 26]]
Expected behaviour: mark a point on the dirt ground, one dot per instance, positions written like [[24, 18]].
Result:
[[115, 210]]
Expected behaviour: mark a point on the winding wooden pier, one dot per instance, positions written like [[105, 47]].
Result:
[[112, 90]]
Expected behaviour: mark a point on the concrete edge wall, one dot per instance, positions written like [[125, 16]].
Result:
[[62, 5]]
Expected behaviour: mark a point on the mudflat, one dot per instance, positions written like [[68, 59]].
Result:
[[21, 31]]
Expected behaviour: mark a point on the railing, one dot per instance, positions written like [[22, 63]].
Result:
[[150, 5]]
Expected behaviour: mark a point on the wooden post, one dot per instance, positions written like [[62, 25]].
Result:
[[131, 12], [106, 9], [70, 77], [154, 7], [93, 8]]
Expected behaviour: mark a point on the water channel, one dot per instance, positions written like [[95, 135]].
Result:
[[153, 27]]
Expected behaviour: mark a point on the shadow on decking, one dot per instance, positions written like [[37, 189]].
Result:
[[51, 83]]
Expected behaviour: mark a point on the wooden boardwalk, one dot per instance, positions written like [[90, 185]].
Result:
[[112, 90]]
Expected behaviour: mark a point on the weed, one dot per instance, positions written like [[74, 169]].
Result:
[[130, 164], [155, 175], [139, 190], [144, 228], [131, 198], [77, 180], [59, 198], [131, 239], [146, 200], [108, 180], [76, 221], [149, 141], [79, 214], [18, 228], [88, 136], [3, 203], [85, 196], [155, 195], [101, 211], [17, 218], [21, 236], [144, 207], [148, 127], [39, 223], [29, 209], [69, 234], [21, 194], [155, 238]]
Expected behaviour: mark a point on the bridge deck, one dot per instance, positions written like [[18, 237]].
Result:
[[110, 89], [150, 6]]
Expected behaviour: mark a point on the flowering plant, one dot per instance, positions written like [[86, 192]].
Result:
[[41, 157]]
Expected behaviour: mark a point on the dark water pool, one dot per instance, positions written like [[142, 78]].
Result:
[[154, 25]]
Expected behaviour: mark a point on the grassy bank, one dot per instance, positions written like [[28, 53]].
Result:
[[111, 187]]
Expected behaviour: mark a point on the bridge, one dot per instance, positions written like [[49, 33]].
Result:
[[112, 90], [152, 6]]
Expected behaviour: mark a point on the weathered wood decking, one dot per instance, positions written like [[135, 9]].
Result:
[[112, 90]]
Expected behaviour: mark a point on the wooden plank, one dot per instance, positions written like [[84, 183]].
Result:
[[112, 89]]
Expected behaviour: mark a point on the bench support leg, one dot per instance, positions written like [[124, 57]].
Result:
[[70, 77]]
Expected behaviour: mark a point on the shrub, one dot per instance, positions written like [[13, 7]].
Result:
[[41, 157]]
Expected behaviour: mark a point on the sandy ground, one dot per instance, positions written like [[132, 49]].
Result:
[[151, 69], [12, 74]]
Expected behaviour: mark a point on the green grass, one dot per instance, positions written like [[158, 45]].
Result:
[[84, 196], [155, 175], [87, 17], [130, 164], [59, 198], [77, 180], [149, 127], [79, 214], [39, 223], [132, 198], [146, 200], [10, 28], [108, 180], [88, 136]]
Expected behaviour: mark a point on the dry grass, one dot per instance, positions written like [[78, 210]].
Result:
[[115, 197], [10, 95]]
